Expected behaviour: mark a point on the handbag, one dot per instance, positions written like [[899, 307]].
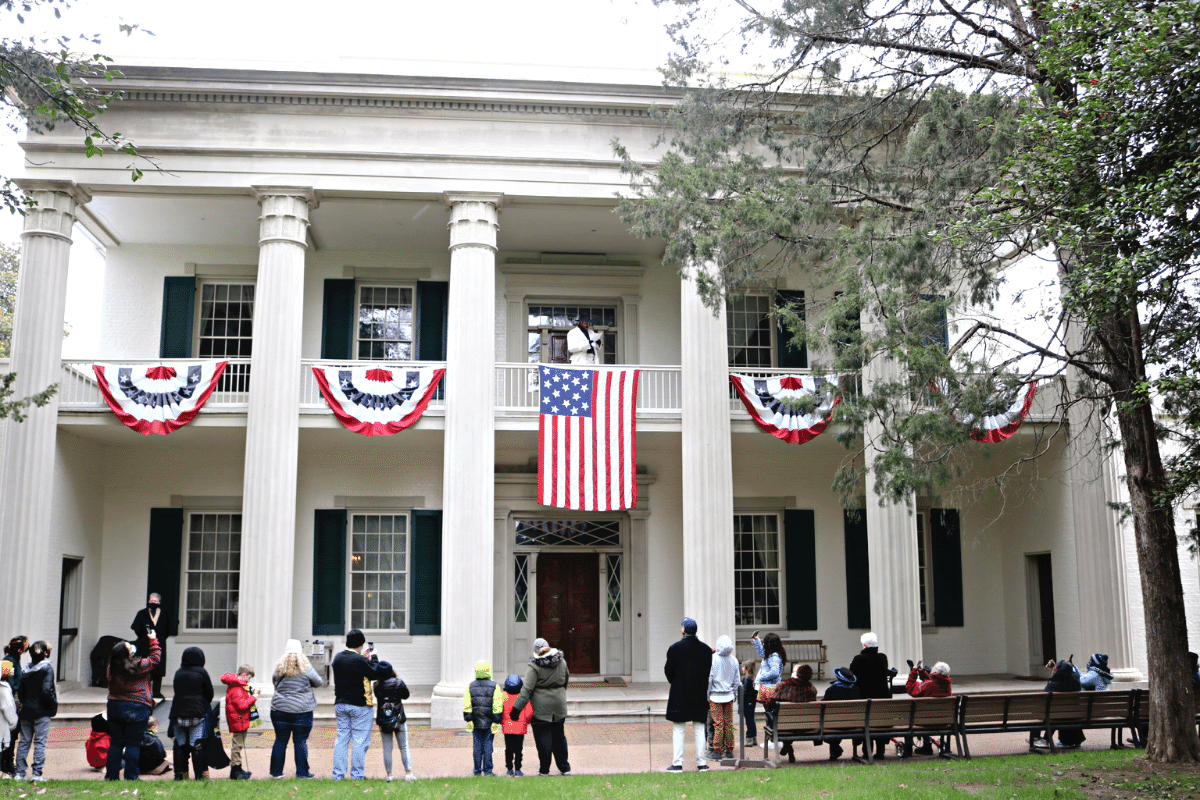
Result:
[[766, 694]]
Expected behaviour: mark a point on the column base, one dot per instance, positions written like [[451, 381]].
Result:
[[445, 707], [1124, 674]]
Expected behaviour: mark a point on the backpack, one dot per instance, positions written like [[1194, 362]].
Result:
[[389, 716]]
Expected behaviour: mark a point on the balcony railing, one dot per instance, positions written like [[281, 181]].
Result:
[[310, 391], [517, 389], [79, 391], [659, 388]]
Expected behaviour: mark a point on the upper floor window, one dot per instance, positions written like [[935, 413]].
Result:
[[214, 561], [756, 336], [226, 329], [750, 332], [548, 327], [385, 323]]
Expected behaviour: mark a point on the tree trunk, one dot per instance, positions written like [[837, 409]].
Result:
[[1172, 734]]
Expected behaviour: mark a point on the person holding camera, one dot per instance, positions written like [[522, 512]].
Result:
[[353, 670]]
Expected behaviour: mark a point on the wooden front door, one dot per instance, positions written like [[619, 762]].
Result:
[[568, 607]]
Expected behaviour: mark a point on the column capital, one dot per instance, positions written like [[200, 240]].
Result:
[[53, 214], [473, 219], [284, 216]]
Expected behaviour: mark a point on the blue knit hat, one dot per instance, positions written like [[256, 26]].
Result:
[[513, 684], [689, 625]]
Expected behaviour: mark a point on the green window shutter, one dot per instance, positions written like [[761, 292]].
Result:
[[858, 569], [164, 559], [329, 572], [946, 544], [800, 550], [337, 319], [425, 618], [433, 300], [178, 317], [789, 356]]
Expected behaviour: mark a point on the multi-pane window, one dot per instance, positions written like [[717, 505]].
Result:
[[214, 560], [227, 330], [521, 587], [613, 564], [579, 532], [385, 323], [924, 574], [379, 571], [750, 331], [756, 578], [548, 326]]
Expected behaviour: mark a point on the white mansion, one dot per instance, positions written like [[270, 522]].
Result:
[[303, 219]]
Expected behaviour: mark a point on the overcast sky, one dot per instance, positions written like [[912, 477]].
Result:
[[608, 40], [620, 41]]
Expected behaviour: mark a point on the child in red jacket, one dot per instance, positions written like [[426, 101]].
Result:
[[97, 743], [238, 702], [514, 732]]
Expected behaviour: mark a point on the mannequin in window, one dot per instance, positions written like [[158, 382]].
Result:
[[583, 343]]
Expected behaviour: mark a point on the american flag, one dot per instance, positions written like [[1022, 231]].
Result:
[[587, 438]]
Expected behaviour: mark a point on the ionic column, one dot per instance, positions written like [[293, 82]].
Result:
[[468, 489], [707, 464], [1099, 553], [272, 428], [32, 565], [892, 549]]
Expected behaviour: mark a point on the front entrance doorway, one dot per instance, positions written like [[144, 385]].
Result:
[[1039, 583], [70, 609], [568, 607]]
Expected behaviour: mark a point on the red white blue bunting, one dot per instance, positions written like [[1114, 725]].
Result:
[[374, 401], [770, 402], [994, 428], [158, 399]]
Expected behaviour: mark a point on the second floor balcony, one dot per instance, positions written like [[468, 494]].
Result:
[[515, 402]]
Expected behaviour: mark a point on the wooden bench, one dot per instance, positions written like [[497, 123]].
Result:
[[865, 719], [1045, 712], [798, 651]]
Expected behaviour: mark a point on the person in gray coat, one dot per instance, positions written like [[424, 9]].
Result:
[[545, 686], [292, 708], [689, 662]]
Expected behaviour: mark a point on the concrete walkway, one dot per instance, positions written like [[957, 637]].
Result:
[[594, 749]]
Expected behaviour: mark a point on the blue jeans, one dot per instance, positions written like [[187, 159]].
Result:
[[126, 726], [189, 735], [35, 732], [353, 728], [297, 727], [482, 750]]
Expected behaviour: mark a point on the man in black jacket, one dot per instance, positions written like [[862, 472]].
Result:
[[689, 662], [353, 668], [870, 668], [153, 618], [189, 709]]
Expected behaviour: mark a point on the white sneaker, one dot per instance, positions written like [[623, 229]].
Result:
[[410, 777], [37, 779], [1040, 744], [390, 778]]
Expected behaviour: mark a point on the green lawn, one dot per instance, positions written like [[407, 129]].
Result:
[[1097, 774]]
